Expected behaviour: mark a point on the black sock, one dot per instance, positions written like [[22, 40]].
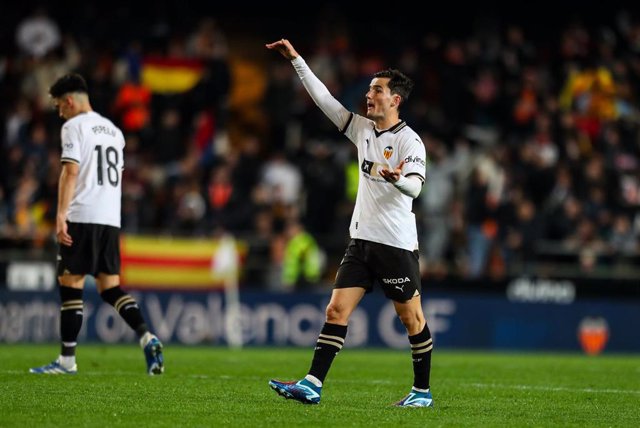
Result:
[[329, 343], [70, 319], [421, 346], [127, 307]]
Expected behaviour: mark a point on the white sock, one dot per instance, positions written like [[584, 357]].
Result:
[[420, 390], [145, 339], [314, 380], [67, 361]]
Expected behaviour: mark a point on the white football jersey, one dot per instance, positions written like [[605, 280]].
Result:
[[96, 145], [382, 213]]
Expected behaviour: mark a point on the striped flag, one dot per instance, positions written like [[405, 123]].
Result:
[[150, 262]]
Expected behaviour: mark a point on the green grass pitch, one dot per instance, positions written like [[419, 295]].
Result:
[[216, 386]]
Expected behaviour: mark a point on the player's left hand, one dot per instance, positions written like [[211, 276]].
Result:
[[392, 175]]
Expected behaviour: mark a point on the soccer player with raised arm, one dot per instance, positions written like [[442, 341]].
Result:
[[88, 223], [384, 242]]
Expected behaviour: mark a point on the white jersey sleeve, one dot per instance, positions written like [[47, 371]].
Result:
[[70, 145], [96, 145], [331, 107]]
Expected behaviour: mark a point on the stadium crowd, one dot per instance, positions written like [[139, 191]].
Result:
[[533, 139]]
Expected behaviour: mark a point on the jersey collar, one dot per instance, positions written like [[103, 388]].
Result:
[[394, 129]]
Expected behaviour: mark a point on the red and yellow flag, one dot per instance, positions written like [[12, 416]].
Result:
[[170, 75], [170, 263]]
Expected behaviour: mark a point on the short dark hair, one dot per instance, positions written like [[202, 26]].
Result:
[[72, 82], [399, 83]]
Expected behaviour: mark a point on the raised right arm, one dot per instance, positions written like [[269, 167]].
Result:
[[331, 107]]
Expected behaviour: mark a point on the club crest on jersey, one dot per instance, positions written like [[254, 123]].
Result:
[[388, 151]]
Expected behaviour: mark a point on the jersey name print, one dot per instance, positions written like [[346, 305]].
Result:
[[101, 129], [96, 145]]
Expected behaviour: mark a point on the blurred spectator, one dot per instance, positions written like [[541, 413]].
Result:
[[282, 179], [46, 69], [563, 221], [246, 173], [455, 79], [260, 264], [190, 209], [227, 204], [586, 242], [208, 44], [436, 206], [482, 227], [303, 260], [520, 236], [623, 240], [561, 190], [38, 34], [323, 185], [279, 104], [132, 106], [168, 144], [17, 122]]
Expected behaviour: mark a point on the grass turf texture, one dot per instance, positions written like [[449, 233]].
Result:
[[214, 386]]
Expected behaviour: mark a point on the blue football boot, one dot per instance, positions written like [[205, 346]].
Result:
[[153, 355], [302, 390], [416, 399], [54, 368]]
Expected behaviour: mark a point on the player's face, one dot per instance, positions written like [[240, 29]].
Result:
[[379, 98], [63, 105]]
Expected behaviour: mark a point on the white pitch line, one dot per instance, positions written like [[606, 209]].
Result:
[[554, 388]]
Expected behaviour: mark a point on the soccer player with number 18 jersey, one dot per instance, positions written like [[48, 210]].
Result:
[[88, 223]]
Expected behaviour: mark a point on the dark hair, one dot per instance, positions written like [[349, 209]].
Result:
[[72, 82], [399, 83]]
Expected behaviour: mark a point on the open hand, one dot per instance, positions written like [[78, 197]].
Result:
[[391, 175]]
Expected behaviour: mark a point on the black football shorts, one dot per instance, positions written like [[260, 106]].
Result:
[[95, 249], [395, 269]]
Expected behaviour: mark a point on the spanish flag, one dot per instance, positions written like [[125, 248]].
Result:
[[163, 263], [171, 75]]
